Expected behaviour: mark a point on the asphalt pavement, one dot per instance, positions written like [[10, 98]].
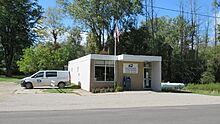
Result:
[[131, 99], [197, 114]]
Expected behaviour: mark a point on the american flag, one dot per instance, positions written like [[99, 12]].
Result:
[[117, 33]]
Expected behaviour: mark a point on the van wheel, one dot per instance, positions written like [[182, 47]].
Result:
[[28, 85], [61, 85]]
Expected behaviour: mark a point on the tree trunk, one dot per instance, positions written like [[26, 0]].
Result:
[[8, 61], [169, 70], [9, 51], [207, 34], [100, 40], [8, 71], [54, 36]]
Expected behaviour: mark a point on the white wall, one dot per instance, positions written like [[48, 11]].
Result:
[[80, 72], [156, 76]]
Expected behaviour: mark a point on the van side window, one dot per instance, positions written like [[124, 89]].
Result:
[[40, 74], [51, 74]]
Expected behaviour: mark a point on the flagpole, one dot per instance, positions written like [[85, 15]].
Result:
[[115, 53]]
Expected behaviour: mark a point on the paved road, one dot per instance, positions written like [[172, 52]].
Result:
[[36, 102], [203, 114]]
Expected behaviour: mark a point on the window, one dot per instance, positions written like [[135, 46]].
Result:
[[100, 73], [109, 73], [51, 74], [104, 70], [40, 74]]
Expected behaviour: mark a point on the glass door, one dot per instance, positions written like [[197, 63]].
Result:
[[147, 78]]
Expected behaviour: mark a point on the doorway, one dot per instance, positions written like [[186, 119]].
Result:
[[147, 78]]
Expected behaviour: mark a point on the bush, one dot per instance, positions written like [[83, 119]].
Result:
[[110, 89], [97, 90], [2, 71], [93, 90], [207, 77], [102, 90], [118, 88], [169, 89], [206, 87]]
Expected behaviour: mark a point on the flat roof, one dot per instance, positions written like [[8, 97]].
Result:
[[103, 57], [123, 57], [126, 57], [139, 58]]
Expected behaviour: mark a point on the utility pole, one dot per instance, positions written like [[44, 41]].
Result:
[[215, 26], [181, 29], [192, 6], [152, 27], [182, 38], [146, 11]]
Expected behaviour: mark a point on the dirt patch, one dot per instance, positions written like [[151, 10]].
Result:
[[7, 87], [48, 90], [22, 90]]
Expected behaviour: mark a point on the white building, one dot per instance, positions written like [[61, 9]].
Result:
[[133, 72]]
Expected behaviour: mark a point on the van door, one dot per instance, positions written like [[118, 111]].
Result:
[[38, 79], [51, 78]]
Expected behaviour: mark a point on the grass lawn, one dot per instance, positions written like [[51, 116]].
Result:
[[68, 89], [206, 89], [57, 90], [10, 79]]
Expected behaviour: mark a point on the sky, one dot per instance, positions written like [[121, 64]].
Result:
[[204, 7]]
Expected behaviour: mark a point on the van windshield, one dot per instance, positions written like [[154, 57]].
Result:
[[39, 74]]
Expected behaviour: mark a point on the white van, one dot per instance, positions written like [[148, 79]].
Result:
[[47, 78]]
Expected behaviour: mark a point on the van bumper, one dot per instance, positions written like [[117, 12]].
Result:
[[22, 83]]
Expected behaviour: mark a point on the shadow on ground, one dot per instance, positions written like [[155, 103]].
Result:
[[175, 91]]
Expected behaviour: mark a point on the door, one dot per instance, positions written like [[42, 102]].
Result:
[[38, 79], [147, 78], [51, 78]]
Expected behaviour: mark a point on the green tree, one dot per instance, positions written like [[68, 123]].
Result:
[[17, 20], [101, 15], [46, 56], [136, 42], [40, 57], [177, 66], [73, 46], [212, 57], [91, 46], [51, 26], [35, 58]]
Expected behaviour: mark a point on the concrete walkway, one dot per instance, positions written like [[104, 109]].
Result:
[[28, 102]]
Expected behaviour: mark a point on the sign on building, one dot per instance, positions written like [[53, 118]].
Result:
[[130, 68]]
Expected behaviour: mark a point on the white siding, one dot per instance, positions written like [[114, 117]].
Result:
[[103, 57], [156, 76], [80, 72], [138, 58]]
